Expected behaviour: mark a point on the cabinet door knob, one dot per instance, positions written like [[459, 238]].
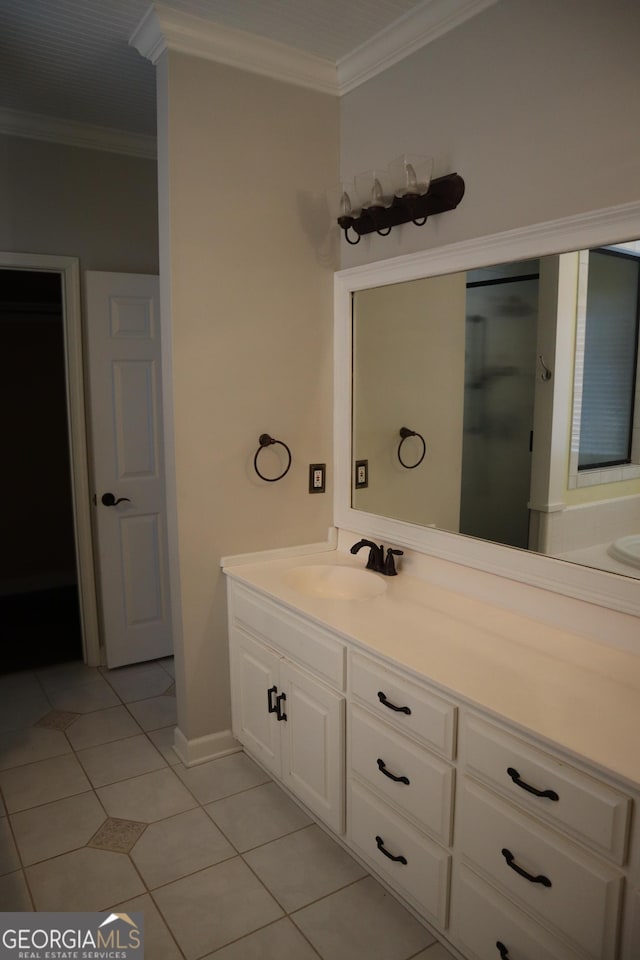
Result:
[[502, 950], [272, 708], [515, 776], [511, 862]]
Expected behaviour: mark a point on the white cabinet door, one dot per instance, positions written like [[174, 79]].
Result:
[[313, 748], [291, 723], [254, 673]]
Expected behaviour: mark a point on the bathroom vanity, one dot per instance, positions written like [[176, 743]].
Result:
[[482, 764]]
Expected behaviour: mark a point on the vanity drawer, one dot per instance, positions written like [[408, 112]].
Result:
[[481, 919], [409, 707], [579, 895], [303, 641], [378, 754], [424, 878], [591, 811]]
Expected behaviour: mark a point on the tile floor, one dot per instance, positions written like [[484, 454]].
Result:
[[98, 813]]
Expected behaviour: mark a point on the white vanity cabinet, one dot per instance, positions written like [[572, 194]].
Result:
[[400, 738], [287, 716], [539, 846], [505, 842]]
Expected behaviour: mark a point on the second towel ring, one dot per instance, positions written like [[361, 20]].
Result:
[[405, 433], [266, 441]]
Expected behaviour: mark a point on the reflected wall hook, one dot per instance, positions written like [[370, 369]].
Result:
[[405, 433], [266, 441], [546, 373]]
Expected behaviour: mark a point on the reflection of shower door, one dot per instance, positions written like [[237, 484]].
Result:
[[500, 352]]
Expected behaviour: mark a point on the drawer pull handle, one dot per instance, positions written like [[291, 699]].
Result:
[[382, 767], [270, 704], [502, 950], [392, 706], [280, 715], [515, 776], [380, 843], [523, 873]]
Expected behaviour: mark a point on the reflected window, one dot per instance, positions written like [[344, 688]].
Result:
[[610, 359]]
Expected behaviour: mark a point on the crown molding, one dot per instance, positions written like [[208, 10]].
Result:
[[416, 29], [165, 29], [35, 126]]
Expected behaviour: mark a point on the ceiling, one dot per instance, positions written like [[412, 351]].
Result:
[[70, 59]]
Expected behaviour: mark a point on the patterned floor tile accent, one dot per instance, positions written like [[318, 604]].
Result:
[[117, 835], [57, 719]]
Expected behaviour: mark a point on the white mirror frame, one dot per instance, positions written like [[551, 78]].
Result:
[[600, 227]]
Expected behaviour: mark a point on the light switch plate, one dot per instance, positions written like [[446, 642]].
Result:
[[362, 474]]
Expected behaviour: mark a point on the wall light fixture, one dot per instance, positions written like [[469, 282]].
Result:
[[403, 192]]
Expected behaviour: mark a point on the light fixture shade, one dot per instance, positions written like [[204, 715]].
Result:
[[342, 201], [374, 188], [411, 175]]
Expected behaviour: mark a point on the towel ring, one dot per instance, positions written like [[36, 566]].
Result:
[[266, 441], [405, 433]]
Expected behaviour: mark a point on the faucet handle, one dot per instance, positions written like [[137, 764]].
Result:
[[389, 565]]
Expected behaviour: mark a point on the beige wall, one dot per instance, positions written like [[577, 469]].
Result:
[[69, 201], [529, 102], [102, 209], [525, 101], [409, 348], [248, 269]]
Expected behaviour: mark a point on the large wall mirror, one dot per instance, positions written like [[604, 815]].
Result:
[[488, 404]]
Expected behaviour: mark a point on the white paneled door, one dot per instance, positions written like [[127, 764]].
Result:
[[123, 349]]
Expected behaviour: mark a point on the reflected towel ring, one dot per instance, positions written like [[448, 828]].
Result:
[[405, 433], [266, 441]]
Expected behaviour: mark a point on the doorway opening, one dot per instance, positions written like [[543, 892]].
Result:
[[61, 275], [39, 602]]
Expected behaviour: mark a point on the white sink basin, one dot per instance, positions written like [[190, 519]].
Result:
[[336, 583]]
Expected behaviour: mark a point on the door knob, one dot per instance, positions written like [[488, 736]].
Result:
[[109, 500]]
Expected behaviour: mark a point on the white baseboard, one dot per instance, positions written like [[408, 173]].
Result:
[[211, 747]]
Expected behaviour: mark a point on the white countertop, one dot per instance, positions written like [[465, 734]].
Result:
[[572, 691]]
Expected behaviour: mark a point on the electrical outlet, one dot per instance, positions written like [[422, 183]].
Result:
[[317, 477], [362, 474]]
